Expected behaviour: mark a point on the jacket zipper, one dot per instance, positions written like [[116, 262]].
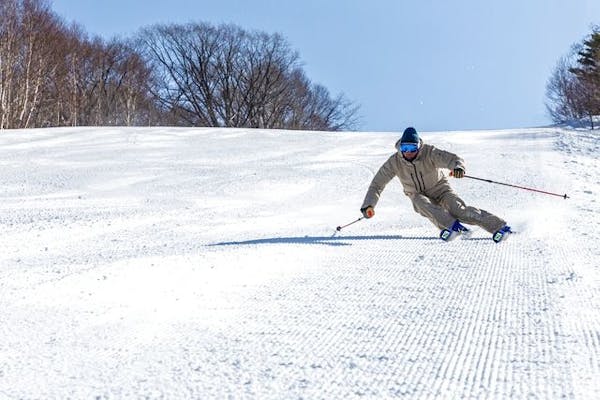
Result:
[[420, 186], [417, 186], [422, 180]]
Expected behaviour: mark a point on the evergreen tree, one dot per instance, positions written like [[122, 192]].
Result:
[[588, 74]]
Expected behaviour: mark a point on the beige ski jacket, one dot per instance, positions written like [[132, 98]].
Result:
[[420, 175]]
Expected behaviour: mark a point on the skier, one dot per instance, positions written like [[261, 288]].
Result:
[[419, 168]]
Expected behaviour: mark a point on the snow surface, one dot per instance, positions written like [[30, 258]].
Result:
[[200, 263]]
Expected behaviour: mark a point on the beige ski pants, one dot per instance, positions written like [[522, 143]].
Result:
[[441, 205]]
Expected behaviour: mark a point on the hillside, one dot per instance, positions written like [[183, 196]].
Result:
[[200, 263]]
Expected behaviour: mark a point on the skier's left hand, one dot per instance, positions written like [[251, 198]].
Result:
[[458, 172], [368, 212]]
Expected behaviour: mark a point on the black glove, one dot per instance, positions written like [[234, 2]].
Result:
[[368, 211], [458, 172]]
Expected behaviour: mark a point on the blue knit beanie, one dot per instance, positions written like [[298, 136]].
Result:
[[410, 135]]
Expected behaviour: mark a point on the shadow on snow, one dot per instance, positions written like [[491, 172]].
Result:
[[329, 240]]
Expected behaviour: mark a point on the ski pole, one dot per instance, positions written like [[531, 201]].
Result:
[[339, 228], [564, 196]]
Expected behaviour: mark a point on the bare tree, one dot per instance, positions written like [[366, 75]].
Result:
[[564, 93], [120, 86], [225, 76], [194, 74], [30, 33], [52, 75], [573, 91], [9, 57]]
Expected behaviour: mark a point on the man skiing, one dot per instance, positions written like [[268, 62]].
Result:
[[419, 168]]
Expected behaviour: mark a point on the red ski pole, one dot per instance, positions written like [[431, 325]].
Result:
[[564, 196]]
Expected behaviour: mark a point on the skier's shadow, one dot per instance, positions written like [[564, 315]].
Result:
[[328, 240]]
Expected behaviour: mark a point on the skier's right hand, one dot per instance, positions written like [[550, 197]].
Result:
[[458, 172], [368, 211]]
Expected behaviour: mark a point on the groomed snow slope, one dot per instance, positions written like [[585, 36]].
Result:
[[200, 263]]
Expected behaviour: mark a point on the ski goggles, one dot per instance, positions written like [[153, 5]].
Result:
[[408, 147]]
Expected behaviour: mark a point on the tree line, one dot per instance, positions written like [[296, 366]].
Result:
[[197, 74], [573, 91]]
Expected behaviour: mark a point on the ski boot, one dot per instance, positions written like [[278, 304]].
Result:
[[454, 231], [501, 234]]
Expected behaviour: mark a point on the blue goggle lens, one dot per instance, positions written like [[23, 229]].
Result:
[[409, 147]]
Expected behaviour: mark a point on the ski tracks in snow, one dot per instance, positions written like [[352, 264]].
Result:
[[217, 279], [398, 318]]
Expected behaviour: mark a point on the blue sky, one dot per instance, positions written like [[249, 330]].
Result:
[[432, 64]]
